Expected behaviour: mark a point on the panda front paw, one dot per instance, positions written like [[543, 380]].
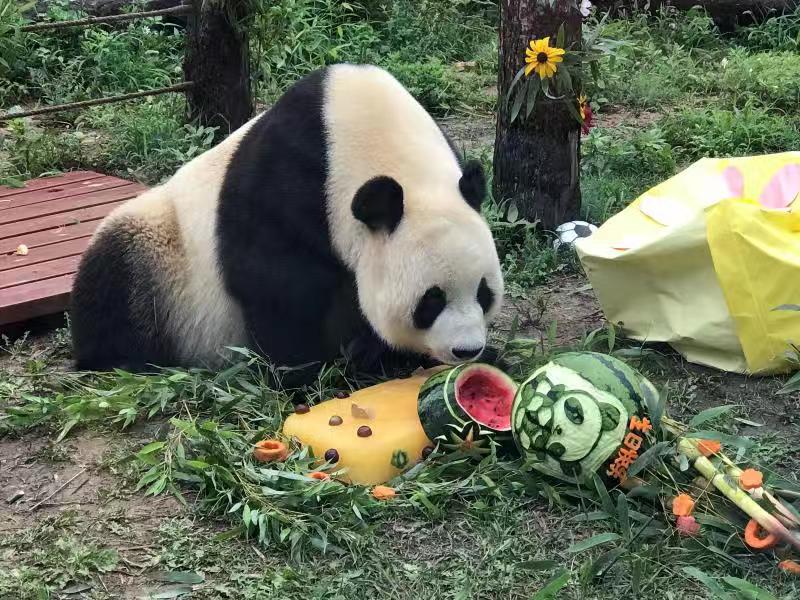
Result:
[[370, 355]]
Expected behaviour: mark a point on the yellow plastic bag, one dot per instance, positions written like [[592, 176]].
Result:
[[701, 260]]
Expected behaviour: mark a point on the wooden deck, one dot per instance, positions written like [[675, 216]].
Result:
[[55, 218]]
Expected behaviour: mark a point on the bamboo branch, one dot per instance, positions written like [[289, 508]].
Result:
[[179, 87], [736, 495], [184, 9]]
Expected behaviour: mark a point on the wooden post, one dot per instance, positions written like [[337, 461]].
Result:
[[217, 61], [536, 160]]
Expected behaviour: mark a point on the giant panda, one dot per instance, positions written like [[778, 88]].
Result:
[[340, 220]]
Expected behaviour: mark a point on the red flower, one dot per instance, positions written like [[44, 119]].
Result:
[[586, 114]]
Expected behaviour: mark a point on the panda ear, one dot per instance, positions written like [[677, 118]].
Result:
[[473, 184], [379, 204]]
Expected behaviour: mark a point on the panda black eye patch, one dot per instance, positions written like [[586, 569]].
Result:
[[429, 307], [485, 296]]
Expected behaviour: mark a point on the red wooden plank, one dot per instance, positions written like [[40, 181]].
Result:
[[43, 254], [61, 191], [38, 272], [24, 214], [55, 217], [37, 299], [72, 217], [47, 182], [50, 236]]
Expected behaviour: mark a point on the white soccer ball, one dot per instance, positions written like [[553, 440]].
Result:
[[567, 233]]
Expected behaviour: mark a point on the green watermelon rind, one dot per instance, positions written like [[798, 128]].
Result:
[[437, 406], [611, 375]]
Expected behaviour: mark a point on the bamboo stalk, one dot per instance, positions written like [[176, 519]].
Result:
[[184, 9], [179, 87]]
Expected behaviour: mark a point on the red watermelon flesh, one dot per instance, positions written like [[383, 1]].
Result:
[[486, 396]]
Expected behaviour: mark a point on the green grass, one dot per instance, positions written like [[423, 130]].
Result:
[[460, 528]]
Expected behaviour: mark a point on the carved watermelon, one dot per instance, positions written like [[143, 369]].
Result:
[[583, 412], [465, 405]]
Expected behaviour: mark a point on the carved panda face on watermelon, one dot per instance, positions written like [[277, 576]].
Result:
[[581, 413]]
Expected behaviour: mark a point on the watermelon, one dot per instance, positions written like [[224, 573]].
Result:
[[464, 406], [571, 417]]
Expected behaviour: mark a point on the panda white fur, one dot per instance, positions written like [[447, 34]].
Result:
[[340, 218]]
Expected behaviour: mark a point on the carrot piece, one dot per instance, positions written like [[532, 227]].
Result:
[[682, 505], [709, 447], [270, 451], [757, 538], [382, 492], [751, 479], [319, 475], [790, 566]]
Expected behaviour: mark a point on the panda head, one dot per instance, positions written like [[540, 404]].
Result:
[[428, 275]]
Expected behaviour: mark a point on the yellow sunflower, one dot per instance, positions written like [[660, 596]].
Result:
[[542, 58]]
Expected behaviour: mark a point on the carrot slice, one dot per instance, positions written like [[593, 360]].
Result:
[[790, 566], [270, 451], [709, 447], [757, 538], [682, 505], [750, 479], [382, 492]]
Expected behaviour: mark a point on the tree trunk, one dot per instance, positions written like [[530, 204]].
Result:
[[217, 62], [536, 161]]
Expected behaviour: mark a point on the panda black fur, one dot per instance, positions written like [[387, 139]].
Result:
[[339, 218]]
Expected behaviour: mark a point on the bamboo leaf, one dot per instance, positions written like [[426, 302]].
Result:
[[645, 491], [67, 428], [595, 540], [174, 592], [709, 582], [150, 448], [554, 585], [648, 457], [709, 415], [730, 440], [624, 518], [189, 577], [602, 492], [612, 331], [792, 385], [751, 591], [604, 561], [598, 515], [514, 82], [533, 93], [518, 102]]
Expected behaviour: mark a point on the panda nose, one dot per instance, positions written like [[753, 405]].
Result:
[[466, 353]]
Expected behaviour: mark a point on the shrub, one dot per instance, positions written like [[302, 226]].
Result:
[[714, 132], [772, 78]]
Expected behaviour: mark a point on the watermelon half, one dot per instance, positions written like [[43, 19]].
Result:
[[464, 405]]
